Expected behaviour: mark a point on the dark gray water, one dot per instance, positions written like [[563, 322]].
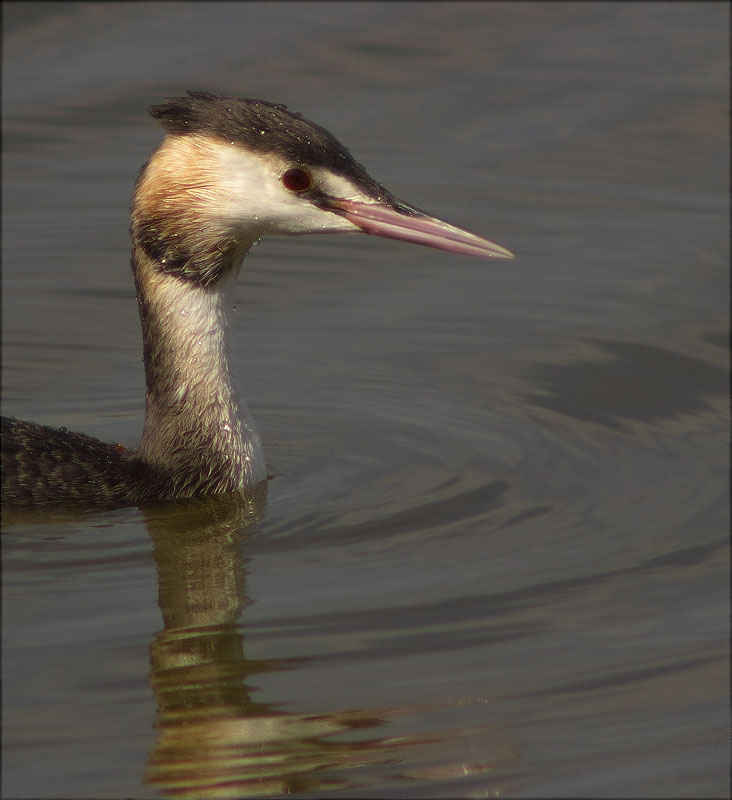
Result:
[[494, 556]]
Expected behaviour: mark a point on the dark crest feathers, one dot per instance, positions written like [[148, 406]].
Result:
[[262, 126]]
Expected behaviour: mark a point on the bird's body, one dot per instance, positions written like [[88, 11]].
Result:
[[230, 171]]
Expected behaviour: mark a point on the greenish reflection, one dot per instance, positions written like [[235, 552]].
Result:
[[212, 739]]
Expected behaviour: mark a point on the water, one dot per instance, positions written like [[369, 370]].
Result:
[[493, 558]]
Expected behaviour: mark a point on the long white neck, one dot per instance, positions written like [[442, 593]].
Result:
[[197, 430]]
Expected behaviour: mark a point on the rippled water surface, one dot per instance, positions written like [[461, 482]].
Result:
[[493, 557]]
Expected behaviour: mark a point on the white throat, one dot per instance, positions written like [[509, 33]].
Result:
[[196, 426]]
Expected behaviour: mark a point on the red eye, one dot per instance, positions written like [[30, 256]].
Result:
[[297, 180]]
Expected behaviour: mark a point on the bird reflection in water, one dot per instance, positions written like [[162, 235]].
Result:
[[212, 739]]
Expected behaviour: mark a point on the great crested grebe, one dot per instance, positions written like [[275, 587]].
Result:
[[229, 171]]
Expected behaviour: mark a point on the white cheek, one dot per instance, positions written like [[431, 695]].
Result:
[[251, 196], [249, 193], [310, 219]]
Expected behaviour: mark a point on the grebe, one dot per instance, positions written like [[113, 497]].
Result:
[[229, 171]]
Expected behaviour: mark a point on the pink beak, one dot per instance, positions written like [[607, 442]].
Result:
[[413, 225]]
